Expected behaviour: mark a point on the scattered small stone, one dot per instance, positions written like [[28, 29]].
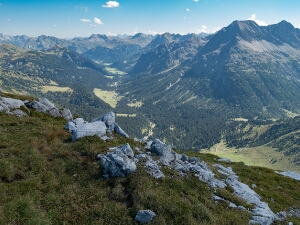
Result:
[[145, 216], [253, 185]]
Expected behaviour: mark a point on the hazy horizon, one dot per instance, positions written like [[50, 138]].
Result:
[[69, 19]]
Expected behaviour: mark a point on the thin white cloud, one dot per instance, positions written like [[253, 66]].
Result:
[[0, 4], [136, 30], [203, 29], [55, 25], [98, 21], [111, 4], [85, 20], [216, 29], [9, 19], [188, 10], [93, 25], [84, 8], [195, 0], [152, 32], [111, 34], [259, 22]]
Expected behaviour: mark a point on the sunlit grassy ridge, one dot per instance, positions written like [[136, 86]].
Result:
[[47, 179]]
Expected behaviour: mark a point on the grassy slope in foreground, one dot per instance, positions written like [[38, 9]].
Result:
[[46, 179]]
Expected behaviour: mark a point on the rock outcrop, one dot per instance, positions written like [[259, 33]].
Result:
[[12, 106], [118, 163], [45, 106], [293, 175], [99, 126], [89, 129], [145, 216], [261, 214]]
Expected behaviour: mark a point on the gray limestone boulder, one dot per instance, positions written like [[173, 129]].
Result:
[[6, 104], [19, 113], [145, 216], [126, 149], [165, 152], [117, 163], [67, 115], [12, 106], [89, 129], [119, 130], [72, 125], [109, 120], [45, 106]]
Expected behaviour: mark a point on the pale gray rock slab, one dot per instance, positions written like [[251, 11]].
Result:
[[79, 121], [89, 129], [45, 106], [153, 168], [126, 149], [224, 160], [165, 152], [145, 216], [6, 104], [72, 125], [117, 164], [67, 115], [293, 175], [119, 130], [261, 214], [55, 112], [18, 112], [226, 170], [109, 120], [141, 156], [46, 103], [207, 176]]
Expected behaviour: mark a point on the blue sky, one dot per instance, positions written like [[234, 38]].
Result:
[[74, 18]]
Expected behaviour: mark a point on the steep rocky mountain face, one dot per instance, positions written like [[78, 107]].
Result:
[[168, 54], [244, 70], [252, 67]]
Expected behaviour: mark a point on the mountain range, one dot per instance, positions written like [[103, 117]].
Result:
[[192, 91]]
